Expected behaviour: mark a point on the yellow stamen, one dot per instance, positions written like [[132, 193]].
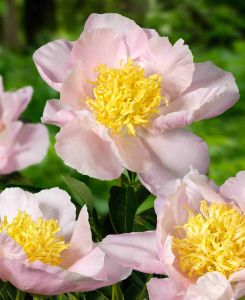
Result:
[[213, 240], [37, 238], [125, 98]]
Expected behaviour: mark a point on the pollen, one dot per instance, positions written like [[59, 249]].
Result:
[[213, 240], [37, 238], [125, 97]]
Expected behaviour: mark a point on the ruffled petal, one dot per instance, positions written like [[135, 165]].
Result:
[[132, 154], [12, 104], [172, 153], [133, 35], [211, 92], [134, 250], [86, 147], [56, 204], [173, 62], [210, 286], [57, 113], [234, 189], [29, 147], [160, 289], [13, 200], [10, 249], [52, 62], [81, 240]]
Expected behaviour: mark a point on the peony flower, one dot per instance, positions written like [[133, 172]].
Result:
[[44, 250], [199, 242], [125, 94], [21, 145]]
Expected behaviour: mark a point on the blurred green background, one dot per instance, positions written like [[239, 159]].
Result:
[[213, 29]]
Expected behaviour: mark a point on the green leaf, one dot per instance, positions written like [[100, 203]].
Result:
[[7, 291], [122, 208], [147, 204], [117, 292], [80, 191]]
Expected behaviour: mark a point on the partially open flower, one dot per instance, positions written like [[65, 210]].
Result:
[[21, 145], [125, 94], [44, 250], [199, 242]]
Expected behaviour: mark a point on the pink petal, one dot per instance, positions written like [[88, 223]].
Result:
[[38, 278], [12, 104], [7, 139], [10, 249], [163, 289], [210, 286], [172, 153], [29, 147], [211, 92], [132, 154], [150, 32], [89, 265], [52, 62], [134, 250], [56, 204], [111, 47], [234, 189], [13, 200], [174, 63], [133, 35], [76, 88], [81, 240], [113, 272], [57, 113], [81, 145]]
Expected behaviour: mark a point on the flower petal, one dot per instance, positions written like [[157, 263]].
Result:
[[211, 92], [134, 250], [111, 47], [10, 249], [38, 278], [132, 154], [29, 147], [81, 240], [81, 145], [172, 153], [234, 189], [160, 289], [173, 62], [12, 104], [56, 204], [52, 62], [57, 113], [89, 265], [133, 35], [13, 200], [210, 286]]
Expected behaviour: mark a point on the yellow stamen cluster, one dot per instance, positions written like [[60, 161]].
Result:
[[37, 238], [125, 98], [213, 240]]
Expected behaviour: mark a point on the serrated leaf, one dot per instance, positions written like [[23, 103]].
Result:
[[80, 191], [147, 204], [122, 208]]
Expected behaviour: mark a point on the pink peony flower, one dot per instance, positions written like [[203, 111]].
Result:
[[199, 242], [45, 251], [125, 95], [21, 145]]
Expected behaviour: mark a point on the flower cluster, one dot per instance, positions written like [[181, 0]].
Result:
[[125, 95]]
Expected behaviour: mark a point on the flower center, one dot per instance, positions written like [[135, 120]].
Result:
[[125, 98], [213, 240], [37, 238]]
